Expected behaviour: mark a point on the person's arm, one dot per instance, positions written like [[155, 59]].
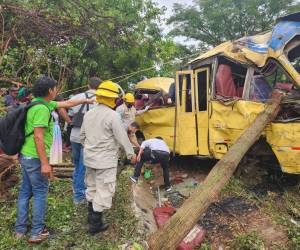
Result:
[[140, 154], [46, 169], [141, 111], [133, 140], [122, 138], [64, 114], [74, 102]]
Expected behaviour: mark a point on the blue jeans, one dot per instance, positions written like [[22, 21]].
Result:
[[35, 185], [79, 172]]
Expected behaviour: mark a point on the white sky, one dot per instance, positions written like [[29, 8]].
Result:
[[169, 5]]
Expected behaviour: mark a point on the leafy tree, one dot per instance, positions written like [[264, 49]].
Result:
[[72, 40], [211, 22]]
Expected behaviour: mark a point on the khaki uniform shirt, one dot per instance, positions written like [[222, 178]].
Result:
[[101, 134], [127, 115]]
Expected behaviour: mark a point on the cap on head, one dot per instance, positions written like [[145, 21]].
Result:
[[129, 98]]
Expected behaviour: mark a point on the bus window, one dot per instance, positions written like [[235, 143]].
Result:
[[188, 94], [271, 77], [202, 90]]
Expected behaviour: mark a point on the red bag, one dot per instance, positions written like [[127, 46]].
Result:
[[193, 239]]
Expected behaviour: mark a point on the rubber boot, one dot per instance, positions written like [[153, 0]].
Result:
[[97, 224], [90, 210]]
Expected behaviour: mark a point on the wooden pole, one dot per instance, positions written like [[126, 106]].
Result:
[[173, 232]]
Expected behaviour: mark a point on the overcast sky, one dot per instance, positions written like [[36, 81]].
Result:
[[169, 5]]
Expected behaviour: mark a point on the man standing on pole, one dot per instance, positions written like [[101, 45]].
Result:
[[101, 134]]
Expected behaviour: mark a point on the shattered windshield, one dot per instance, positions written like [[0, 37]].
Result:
[[292, 52]]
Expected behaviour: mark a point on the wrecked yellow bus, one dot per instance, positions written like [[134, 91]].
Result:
[[220, 93]]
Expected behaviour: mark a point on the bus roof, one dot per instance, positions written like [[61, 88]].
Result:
[[155, 83]]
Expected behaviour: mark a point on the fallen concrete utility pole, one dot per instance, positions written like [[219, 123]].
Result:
[[173, 232]]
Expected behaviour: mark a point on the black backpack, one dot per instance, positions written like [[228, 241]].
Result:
[[12, 128], [78, 117]]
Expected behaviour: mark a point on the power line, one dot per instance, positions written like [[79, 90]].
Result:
[[129, 75]]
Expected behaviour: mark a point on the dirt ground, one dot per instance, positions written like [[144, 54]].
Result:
[[249, 205], [254, 211]]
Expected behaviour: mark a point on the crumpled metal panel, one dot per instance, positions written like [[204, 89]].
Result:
[[259, 48], [227, 122], [155, 83], [158, 122], [284, 139]]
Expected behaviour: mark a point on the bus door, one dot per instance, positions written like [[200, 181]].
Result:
[[186, 138], [201, 109]]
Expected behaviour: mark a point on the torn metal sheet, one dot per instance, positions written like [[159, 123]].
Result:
[[258, 48]]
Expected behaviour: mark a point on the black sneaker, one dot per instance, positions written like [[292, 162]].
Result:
[[168, 189], [133, 179]]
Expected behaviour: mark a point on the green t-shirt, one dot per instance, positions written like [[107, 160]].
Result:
[[38, 116]]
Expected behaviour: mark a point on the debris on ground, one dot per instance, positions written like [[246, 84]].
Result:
[[8, 178]]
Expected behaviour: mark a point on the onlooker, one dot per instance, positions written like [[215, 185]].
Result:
[[77, 149], [24, 95], [34, 159], [101, 134], [156, 151], [11, 98], [139, 102]]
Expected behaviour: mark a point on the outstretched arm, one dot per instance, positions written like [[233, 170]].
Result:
[[73, 103]]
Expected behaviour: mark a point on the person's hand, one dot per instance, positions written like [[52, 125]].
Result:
[[147, 107], [46, 170], [133, 159], [138, 158]]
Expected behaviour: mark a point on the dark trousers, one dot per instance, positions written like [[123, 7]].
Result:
[[155, 157]]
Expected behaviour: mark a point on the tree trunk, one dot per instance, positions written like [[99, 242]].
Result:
[[180, 224]]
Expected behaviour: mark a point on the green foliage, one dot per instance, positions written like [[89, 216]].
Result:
[[73, 40], [69, 223], [249, 241], [204, 246], [212, 22]]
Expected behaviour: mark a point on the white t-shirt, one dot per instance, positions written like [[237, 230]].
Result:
[[155, 144]]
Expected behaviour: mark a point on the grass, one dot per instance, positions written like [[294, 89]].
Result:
[[249, 241], [69, 222], [283, 210]]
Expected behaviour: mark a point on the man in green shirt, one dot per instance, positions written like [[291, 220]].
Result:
[[34, 158]]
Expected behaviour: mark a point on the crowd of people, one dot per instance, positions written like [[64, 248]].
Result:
[[14, 95], [100, 132]]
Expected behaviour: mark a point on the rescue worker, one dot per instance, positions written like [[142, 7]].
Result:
[[155, 151], [127, 110], [132, 129], [101, 134]]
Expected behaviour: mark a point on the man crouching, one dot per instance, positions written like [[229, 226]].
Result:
[[101, 133]]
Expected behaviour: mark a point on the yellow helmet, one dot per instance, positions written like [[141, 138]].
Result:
[[108, 89], [129, 98]]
